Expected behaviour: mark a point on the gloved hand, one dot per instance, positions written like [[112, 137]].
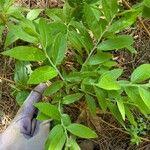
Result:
[[26, 133]]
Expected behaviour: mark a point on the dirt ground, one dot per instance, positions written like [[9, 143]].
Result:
[[8, 106], [111, 135]]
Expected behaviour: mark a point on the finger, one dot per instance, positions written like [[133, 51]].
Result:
[[42, 129], [25, 126], [28, 127], [37, 142], [34, 97], [34, 121], [25, 115]]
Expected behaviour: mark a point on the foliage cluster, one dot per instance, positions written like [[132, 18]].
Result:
[[84, 32]]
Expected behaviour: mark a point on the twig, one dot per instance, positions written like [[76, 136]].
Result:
[[5, 79], [143, 25], [119, 129], [13, 82], [60, 75], [126, 4], [139, 18], [98, 42]]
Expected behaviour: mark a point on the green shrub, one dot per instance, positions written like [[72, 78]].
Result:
[[90, 31]]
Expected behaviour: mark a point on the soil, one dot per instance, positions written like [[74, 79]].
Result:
[[111, 135], [8, 106]]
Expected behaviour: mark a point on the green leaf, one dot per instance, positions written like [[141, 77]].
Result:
[[33, 14], [29, 27], [41, 116], [1, 31], [10, 38], [110, 64], [110, 8], [130, 116], [101, 96], [141, 73], [56, 138], [44, 32], [66, 119], [108, 81], [79, 37], [74, 145], [99, 58], [114, 94], [77, 13], [81, 131], [19, 33], [74, 3], [67, 10], [116, 73], [92, 17], [42, 74], [8, 3], [86, 38], [72, 98], [146, 9], [91, 1], [125, 21], [59, 48], [21, 97], [22, 72], [79, 76], [79, 59], [56, 86], [146, 12], [75, 40], [146, 2], [133, 94], [25, 53], [131, 49], [55, 14], [145, 95], [87, 85], [91, 104], [15, 12], [121, 108], [48, 110], [2, 4], [119, 42], [74, 77], [57, 27], [115, 112], [120, 101]]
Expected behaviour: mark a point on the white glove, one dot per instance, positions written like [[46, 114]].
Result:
[[26, 133]]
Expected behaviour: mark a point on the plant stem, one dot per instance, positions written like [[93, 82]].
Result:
[[62, 123], [4, 20], [87, 92], [15, 84], [98, 42], [54, 66]]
